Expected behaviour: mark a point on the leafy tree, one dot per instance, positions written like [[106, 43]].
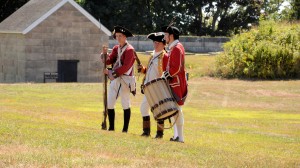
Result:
[[273, 9], [295, 9], [245, 14], [7, 7], [194, 17], [220, 17], [133, 14]]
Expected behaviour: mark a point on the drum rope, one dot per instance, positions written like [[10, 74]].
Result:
[[177, 115]]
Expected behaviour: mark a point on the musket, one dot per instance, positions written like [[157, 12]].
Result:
[[104, 126], [172, 22], [137, 59], [138, 63], [104, 95]]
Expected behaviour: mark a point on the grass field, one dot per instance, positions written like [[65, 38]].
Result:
[[228, 123]]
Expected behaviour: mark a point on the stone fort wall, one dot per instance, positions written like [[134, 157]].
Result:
[[191, 44]]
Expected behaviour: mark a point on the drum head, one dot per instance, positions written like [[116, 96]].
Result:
[[166, 114]]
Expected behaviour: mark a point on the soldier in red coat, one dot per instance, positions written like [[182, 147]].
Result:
[[174, 71], [122, 76]]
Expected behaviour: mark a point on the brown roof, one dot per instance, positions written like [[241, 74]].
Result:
[[26, 15]]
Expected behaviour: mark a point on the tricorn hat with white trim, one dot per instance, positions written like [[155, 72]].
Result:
[[123, 30], [157, 37]]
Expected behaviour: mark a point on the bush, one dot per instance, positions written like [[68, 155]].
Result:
[[269, 51]]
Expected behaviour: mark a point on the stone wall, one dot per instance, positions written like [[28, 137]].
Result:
[[65, 35], [191, 44], [12, 58]]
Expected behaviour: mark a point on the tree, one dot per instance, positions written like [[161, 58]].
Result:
[[8, 7], [271, 9], [245, 14], [133, 14], [194, 17], [295, 9]]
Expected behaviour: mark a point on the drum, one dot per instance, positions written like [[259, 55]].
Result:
[[160, 99]]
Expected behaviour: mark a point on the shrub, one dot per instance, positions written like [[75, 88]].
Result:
[[269, 51]]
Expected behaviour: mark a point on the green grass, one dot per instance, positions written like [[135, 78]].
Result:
[[228, 123]]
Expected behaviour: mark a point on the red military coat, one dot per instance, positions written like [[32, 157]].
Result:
[[174, 63], [127, 60]]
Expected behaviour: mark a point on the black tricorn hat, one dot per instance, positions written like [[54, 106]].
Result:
[[171, 30], [159, 36], [123, 30]]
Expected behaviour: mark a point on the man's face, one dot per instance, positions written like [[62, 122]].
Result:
[[158, 46], [121, 38], [167, 37]]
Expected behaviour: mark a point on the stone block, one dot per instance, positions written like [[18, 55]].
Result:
[[37, 49], [59, 56], [35, 35], [95, 30], [10, 70], [2, 77], [34, 56], [59, 50], [9, 78], [49, 56], [8, 62], [48, 50], [94, 57]]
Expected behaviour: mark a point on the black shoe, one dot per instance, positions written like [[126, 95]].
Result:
[[145, 134], [159, 135], [124, 131], [174, 139]]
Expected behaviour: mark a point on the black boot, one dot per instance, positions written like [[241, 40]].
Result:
[[111, 118], [160, 129], [146, 126], [127, 114]]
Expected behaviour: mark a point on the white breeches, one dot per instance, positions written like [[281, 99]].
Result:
[[178, 126], [124, 93], [145, 108], [180, 118]]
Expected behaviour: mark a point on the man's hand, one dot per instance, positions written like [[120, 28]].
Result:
[[166, 75], [104, 52], [105, 71], [140, 67], [108, 73], [104, 49]]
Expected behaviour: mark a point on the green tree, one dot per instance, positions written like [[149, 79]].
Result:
[[133, 14], [194, 17], [271, 9], [244, 14], [7, 7], [295, 9]]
